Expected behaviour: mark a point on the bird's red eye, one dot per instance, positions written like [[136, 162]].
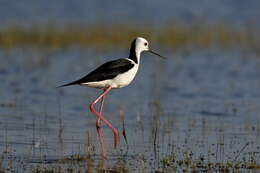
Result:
[[145, 44]]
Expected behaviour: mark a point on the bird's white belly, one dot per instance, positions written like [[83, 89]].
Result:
[[119, 81], [125, 78]]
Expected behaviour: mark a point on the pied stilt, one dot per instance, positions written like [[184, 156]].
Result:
[[113, 74]]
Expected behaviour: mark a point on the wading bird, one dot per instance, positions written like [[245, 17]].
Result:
[[113, 74]]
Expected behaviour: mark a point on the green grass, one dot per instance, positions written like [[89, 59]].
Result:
[[172, 36]]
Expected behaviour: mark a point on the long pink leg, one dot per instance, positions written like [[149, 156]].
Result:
[[101, 109], [99, 116], [98, 124]]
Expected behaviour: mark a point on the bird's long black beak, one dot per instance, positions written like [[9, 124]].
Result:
[[156, 54]]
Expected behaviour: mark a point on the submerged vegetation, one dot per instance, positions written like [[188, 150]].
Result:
[[172, 36], [163, 154], [92, 163]]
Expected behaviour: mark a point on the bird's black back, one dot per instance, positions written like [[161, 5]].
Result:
[[109, 70]]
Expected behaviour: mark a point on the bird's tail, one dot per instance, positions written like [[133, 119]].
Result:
[[68, 84]]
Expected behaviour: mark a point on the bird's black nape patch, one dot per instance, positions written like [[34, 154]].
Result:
[[132, 55]]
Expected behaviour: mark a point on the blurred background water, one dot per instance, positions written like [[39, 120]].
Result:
[[30, 12], [205, 100]]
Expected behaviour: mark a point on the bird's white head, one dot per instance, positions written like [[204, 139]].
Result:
[[141, 44], [137, 47]]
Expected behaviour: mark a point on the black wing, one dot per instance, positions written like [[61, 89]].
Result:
[[106, 71]]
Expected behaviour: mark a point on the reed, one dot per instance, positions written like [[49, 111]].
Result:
[[173, 36]]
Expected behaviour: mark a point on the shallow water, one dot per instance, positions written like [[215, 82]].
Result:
[[205, 101]]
